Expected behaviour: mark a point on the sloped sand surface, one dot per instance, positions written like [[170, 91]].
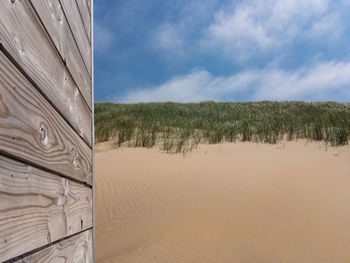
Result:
[[232, 202]]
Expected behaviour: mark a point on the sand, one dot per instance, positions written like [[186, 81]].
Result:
[[231, 202]]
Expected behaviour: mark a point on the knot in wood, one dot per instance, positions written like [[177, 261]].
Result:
[[61, 200], [59, 14], [43, 133], [73, 154], [43, 136], [18, 44], [76, 92]]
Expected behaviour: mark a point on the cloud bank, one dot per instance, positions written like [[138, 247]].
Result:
[[323, 81]]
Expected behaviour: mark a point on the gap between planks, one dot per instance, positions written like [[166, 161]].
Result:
[[42, 64], [32, 256], [38, 208], [32, 130]]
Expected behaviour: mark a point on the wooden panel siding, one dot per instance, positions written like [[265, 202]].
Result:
[[76, 249], [70, 8], [46, 131], [38, 208], [55, 22], [85, 16], [26, 41], [89, 5], [32, 130]]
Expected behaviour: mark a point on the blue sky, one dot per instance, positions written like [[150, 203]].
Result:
[[195, 50]]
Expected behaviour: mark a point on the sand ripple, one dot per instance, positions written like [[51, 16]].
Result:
[[224, 203]]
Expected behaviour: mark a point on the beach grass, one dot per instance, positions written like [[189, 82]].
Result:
[[180, 127]]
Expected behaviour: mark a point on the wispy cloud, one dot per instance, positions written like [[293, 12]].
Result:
[[103, 38], [323, 81], [168, 37], [176, 35], [328, 27], [255, 26]]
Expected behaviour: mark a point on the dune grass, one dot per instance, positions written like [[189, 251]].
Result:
[[179, 127]]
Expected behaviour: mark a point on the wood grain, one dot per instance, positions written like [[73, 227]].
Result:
[[85, 16], [32, 130], [89, 5], [38, 208], [76, 249], [55, 22], [25, 39], [71, 11]]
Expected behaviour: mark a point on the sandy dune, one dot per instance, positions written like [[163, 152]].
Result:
[[243, 202]]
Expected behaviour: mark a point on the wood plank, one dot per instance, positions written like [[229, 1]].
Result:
[[71, 11], [85, 16], [55, 22], [89, 5], [32, 130], [76, 249], [25, 39], [38, 208]]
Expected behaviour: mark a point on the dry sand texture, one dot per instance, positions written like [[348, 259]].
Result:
[[232, 202]]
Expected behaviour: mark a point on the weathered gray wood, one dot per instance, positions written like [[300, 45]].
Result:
[[76, 249], [25, 39], [89, 5], [70, 8], [55, 22], [85, 16], [32, 130], [37, 208]]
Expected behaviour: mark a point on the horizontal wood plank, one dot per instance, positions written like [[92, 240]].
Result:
[[71, 11], [24, 38], [38, 208], [76, 249], [32, 130], [85, 16], [55, 22]]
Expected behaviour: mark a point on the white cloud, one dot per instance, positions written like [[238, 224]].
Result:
[[177, 35], [239, 29], [195, 86], [168, 37], [323, 81], [256, 25], [328, 26], [103, 38]]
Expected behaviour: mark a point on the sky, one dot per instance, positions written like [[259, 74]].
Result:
[[197, 50]]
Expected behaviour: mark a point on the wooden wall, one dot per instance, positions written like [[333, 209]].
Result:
[[46, 124]]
